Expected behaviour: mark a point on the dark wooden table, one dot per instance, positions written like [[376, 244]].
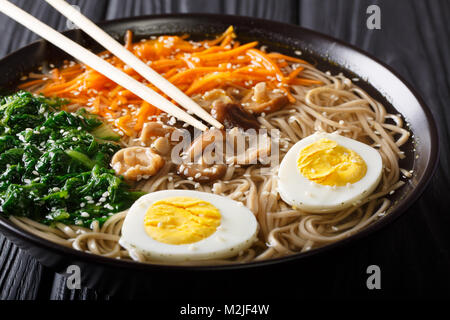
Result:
[[414, 38]]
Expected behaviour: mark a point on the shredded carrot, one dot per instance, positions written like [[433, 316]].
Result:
[[128, 39], [276, 55], [193, 66], [230, 53], [294, 74], [31, 83], [305, 82], [258, 55], [188, 74], [145, 111]]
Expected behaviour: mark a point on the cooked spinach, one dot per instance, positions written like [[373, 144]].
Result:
[[55, 164]]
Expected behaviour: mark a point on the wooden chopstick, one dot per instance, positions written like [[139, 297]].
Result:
[[96, 63], [130, 59]]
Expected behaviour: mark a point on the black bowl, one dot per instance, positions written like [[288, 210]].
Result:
[[326, 53]]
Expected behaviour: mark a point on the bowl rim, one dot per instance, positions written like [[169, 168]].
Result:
[[404, 204]]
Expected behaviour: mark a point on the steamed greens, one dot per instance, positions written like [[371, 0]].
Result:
[[55, 165]]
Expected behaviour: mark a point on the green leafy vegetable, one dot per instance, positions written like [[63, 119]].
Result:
[[55, 164]]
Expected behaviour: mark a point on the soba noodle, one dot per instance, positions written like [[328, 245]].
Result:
[[336, 106]]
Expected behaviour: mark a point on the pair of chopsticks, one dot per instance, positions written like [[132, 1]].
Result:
[[108, 70]]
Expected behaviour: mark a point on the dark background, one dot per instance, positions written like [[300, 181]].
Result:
[[413, 252]]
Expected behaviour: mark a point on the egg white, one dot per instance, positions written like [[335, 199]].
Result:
[[237, 230], [300, 192]]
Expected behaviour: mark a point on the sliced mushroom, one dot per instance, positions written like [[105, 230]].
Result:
[[209, 98], [264, 100], [270, 106], [135, 163], [161, 146], [231, 115], [154, 129], [201, 172], [217, 96], [260, 93]]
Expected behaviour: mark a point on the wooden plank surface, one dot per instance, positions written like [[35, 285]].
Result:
[[414, 39]]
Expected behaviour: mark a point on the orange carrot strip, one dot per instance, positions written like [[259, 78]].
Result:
[[229, 53], [207, 51], [306, 82], [288, 94], [230, 30], [122, 123], [202, 82], [31, 83], [266, 60], [128, 39], [276, 55], [184, 75], [294, 74], [145, 111], [226, 41]]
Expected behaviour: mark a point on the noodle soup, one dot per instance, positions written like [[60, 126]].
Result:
[[279, 99]]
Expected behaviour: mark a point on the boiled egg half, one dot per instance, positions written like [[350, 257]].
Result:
[[184, 225], [327, 172]]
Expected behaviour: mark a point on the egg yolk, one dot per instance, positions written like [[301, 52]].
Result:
[[328, 163], [181, 220]]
